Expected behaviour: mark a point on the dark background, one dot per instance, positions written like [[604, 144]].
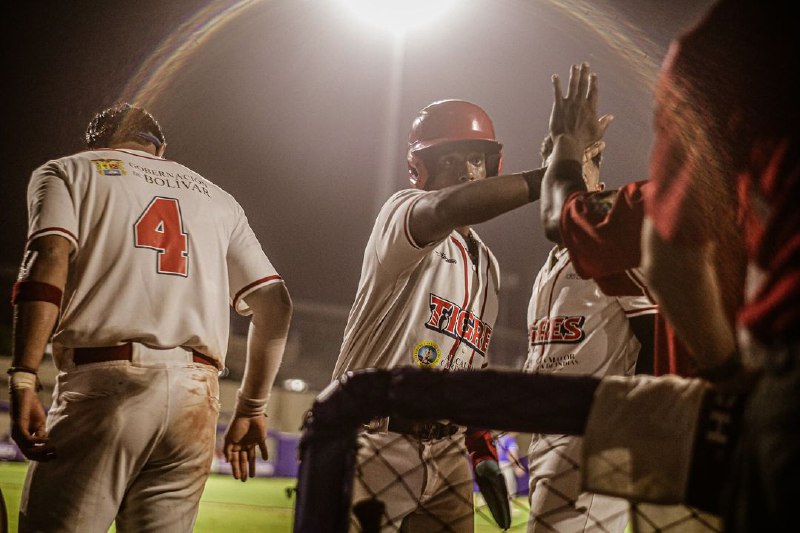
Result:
[[301, 111]]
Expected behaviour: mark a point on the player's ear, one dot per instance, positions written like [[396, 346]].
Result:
[[601, 186]]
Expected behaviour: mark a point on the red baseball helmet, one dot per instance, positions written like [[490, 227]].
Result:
[[450, 121]]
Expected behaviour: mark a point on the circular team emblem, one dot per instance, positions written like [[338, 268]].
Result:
[[427, 354]]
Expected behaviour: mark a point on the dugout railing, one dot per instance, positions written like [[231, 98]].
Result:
[[500, 400]]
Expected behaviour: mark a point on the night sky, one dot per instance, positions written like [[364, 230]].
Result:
[[302, 112]]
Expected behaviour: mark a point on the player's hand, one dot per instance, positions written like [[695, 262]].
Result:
[[243, 436], [576, 113], [28, 426]]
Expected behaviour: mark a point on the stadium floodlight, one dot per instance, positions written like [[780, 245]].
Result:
[[398, 15]]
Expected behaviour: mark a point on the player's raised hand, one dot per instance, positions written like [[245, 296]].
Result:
[[243, 436], [28, 426], [576, 113]]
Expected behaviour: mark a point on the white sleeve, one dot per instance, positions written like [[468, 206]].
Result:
[[248, 265], [51, 208], [637, 305], [391, 240]]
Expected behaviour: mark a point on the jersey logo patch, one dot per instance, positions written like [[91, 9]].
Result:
[[557, 330], [109, 167], [448, 318], [427, 354]]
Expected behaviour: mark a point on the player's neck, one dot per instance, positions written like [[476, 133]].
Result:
[[133, 145]]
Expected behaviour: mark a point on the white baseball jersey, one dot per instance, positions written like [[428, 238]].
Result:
[[574, 328], [158, 251], [428, 306]]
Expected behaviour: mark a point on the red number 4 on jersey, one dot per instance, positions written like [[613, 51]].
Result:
[[160, 228]]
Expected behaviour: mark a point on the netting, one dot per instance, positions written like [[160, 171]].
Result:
[[356, 476]]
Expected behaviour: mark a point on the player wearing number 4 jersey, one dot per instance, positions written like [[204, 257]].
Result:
[[132, 262]]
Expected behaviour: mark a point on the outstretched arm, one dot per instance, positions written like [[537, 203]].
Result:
[[575, 128], [266, 340], [37, 294], [439, 212]]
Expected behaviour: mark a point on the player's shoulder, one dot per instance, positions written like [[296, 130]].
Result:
[[396, 206], [62, 166], [403, 196]]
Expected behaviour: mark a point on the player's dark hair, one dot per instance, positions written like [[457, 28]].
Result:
[[123, 122]]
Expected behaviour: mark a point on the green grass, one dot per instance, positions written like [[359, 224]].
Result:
[[260, 504]]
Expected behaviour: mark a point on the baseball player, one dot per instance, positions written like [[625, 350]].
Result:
[[574, 328], [428, 297], [131, 263]]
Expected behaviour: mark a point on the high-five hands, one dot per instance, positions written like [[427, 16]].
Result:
[[576, 113]]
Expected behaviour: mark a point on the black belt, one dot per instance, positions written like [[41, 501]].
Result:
[[422, 430], [102, 354]]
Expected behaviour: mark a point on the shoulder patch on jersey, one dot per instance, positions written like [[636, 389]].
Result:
[[427, 354], [109, 167]]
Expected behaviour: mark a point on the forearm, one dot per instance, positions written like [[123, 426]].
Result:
[[438, 213], [266, 342], [32, 327], [559, 181], [46, 265], [264, 358], [685, 286]]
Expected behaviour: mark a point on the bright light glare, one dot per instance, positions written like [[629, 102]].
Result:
[[398, 15], [295, 385]]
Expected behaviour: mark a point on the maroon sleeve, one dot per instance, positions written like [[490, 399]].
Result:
[[602, 231]]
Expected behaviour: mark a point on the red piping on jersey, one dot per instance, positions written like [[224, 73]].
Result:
[[641, 284], [45, 230], [464, 260], [405, 224], [483, 308], [251, 285]]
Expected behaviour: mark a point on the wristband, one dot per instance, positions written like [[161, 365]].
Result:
[[248, 407], [534, 180], [15, 369], [36, 291], [23, 378]]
